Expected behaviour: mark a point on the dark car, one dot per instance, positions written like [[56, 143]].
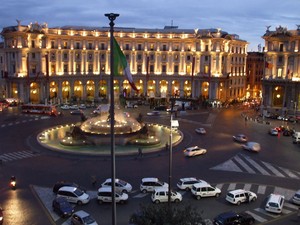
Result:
[[233, 218], [62, 207], [60, 184]]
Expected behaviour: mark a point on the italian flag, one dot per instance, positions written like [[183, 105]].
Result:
[[120, 64]]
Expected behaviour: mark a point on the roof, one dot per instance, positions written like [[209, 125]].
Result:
[[145, 179], [82, 213]]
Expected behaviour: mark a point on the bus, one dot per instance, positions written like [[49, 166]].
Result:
[[40, 109]]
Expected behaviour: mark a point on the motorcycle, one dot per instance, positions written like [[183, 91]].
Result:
[[13, 183]]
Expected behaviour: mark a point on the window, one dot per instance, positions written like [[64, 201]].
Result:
[[77, 46], [77, 68], [164, 57], [206, 48], [151, 69], [32, 44], [139, 68], [52, 44], [65, 44], [33, 55], [164, 69], [281, 47], [176, 69], [102, 46], [151, 47], [90, 68], [52, 56], [90, 45], [65, 68], [77, 56], [102, 57], [139, 47], [176, 57], [151, 57], [65, 56], [164, 47], [139, 56], [90, 56], [127, 47], [188, 57], [102, 68], [280, 59], [52, 69]]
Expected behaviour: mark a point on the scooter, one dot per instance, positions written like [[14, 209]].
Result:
[[13, 183]]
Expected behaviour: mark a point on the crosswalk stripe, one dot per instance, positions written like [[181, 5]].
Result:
[[288, 194], [220, 186], [289, 205], [247, 187], [260, 210], [257, 217], [273, 169], [289, 173], [231, 186], [261, 189], [7, 157], [286, 211], [243, 164], [257, 166], [140, 195], [229, 165], [16, 155]]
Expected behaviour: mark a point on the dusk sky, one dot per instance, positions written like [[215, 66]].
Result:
[[248, 19]]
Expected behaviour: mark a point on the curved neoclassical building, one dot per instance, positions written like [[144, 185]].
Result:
[[58, 64]]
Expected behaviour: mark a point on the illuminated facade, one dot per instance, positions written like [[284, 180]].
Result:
[[282, 70], [60, 64]]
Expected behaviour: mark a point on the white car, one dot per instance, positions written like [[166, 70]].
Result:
[[105, 195], [153, 113], [296, 198], [252, 146], [162, 195], [73, 195], [274, 203], [74, 107], [188, 182], [120, 185], [82, 218], [148, 184], [200, 130], [193, 151], [240, 138], [201, 190], [82, 106], [65, 107], [239, 196], [273, 132]]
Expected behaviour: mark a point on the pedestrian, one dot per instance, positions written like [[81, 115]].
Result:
[[140, 152]]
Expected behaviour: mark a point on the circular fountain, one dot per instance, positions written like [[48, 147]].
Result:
[[93, 135]]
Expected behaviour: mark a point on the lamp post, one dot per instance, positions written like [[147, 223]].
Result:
[[112, 17]]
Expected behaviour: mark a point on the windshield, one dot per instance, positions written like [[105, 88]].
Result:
[[88, 220], [78, 192]]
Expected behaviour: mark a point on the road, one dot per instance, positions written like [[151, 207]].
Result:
[[274, 170]]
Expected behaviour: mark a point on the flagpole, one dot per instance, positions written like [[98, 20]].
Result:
[[112, 17]]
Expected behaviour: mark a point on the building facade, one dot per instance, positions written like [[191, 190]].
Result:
[[40, 64], [255, 72], [282, 70]]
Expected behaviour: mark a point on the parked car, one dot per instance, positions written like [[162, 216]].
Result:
[[60, 184], [239, 196], [148, 184], [200, 190], [82, 106], [73, 195], [252, 146], [274, 203], [153, 113], [233, 218], [82, 218], [105, 195], [296, 198], [62, 207], [162, 195], [200, 130], [194, 151], [120, 185], [74, 107], [241, 138], [188, 182], [76, 112], [65, 107]]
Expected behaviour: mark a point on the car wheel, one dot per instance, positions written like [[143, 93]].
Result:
[[122, 202], [79, 203], [125, 191], [100, 201], [217, 195], [156, 201], [144, 191], [187, 188], [176, 200], [198, 197], [253, 199], [238, 203]]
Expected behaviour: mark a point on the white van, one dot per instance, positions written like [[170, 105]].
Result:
[[73, 195], [274, 203], [238, 196], [162, 195], [200, 190], [105, 195]]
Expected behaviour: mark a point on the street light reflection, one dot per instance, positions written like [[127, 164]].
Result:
[[14, 209]]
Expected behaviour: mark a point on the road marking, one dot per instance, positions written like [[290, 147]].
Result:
[[261, 189], [17, 155], [231, 186], [256, 217], [260, 210], [244, 165], [289, 173], [140, 195], [257, 166], [247, 187], [273, 169], [229, 165]]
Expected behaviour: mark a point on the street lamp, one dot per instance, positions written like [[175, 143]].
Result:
[[175, 124]]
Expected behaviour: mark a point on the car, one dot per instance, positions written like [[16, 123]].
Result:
[[274, 203], [239, 196], [60, 184], [82, 106], [120, 185], [188, 182], [62, 207], [153, 113], [65, 107], [105, 195], [200, 130], [74, 107], [194, 151], [82, 218], [76, 112], [161, 108], [296, 198], [252, 146], [1, 216], [233, 218], [241, 138], [273, 132], [148, 184], [131, 105], [73, 195], [162, 195], [200, 190]]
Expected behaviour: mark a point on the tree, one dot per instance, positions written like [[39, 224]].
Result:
[[163, 215]]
